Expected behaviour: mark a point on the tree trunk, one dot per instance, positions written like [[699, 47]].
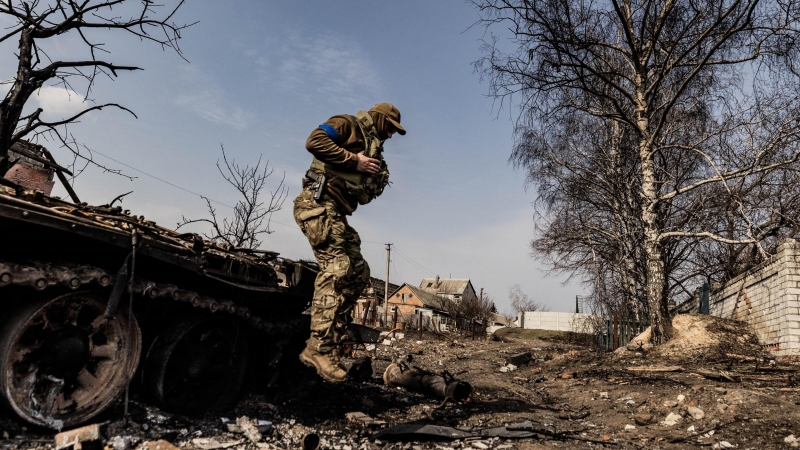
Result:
[[661, 327], [21, 90], [660, 323]]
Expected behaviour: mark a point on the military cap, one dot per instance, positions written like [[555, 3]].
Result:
[[391, 113]]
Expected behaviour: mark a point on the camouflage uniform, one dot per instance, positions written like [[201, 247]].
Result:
[[343, 272]]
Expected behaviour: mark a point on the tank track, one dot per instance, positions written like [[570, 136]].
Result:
[[41, 276]]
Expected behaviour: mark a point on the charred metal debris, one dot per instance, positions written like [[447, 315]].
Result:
[[71, 341]]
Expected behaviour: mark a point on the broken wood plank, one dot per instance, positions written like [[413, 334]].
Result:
[[717, 376], [82, 435], [655, 369]]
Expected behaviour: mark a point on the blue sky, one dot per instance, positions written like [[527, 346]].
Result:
[[263, 74]]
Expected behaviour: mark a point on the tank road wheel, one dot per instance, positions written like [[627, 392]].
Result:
[[197, 366], [62, 363]]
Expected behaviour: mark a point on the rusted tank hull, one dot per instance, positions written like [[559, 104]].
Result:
[[50, 250]]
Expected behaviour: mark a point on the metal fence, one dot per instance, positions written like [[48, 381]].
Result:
[[620, 328], [420, 322]]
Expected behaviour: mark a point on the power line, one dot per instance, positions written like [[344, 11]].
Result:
[[161, 180], [180, 187], [396, 274], [420, 268], [424, 269]]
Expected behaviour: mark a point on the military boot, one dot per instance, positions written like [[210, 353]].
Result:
[[324, 364]]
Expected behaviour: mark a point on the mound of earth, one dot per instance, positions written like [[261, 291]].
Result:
[[703, 337]]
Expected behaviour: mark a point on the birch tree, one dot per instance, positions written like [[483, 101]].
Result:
[[703, 92]]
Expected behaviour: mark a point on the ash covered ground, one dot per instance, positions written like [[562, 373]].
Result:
[[714, 390]]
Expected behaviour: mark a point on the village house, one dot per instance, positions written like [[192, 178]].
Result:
[[453, 289], [371, 299], [410, 302]]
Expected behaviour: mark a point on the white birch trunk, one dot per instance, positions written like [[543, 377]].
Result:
[[655, 283]]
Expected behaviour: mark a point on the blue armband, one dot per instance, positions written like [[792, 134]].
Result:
[[330, 131]]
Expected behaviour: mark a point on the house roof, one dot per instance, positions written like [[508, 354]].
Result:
[[428, 299], [455, 286], [376, 288], [380, 285], [499, 318]]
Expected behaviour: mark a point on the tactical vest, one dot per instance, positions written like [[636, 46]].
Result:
[[364, 187]]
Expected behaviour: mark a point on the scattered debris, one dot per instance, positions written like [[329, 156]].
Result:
[[653, 406], [698, 336], [121, 442], [643, 419], [672, 419], [508, 368], [157, 445], [213, 444], [262, 426], [519, 359], [248, 428], [717, 376], [420, 431], [573, 416], [310, 441], [434, 432], [82, 435], [696, 412], [360, 417], [443, 387], [655, 369], [360, 370]]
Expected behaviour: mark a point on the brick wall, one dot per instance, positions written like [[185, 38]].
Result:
[[767, 298]]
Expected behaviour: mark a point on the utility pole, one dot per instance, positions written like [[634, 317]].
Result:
[[386, 289], [481, 294]]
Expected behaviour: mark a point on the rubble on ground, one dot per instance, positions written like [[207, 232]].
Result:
[[697, 337], [560, 394]]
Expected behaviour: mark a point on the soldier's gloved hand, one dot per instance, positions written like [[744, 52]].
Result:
[[367, 164]]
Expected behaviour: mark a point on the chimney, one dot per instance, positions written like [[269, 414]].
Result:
[[28, 173]]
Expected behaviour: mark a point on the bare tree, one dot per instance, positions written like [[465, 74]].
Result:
[[520, 301], [251, 215], [38, 24], [472, 309], [704, 94]]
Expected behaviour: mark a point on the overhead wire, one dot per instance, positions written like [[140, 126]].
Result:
[[413, 263], [396, 274], [205, 197], [416, 264]]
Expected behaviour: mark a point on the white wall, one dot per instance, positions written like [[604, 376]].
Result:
[[556, 321]]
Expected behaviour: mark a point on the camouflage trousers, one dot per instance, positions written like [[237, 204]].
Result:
[[343, 272]]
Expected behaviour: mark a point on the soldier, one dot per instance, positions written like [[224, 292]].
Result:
[[348, 169]]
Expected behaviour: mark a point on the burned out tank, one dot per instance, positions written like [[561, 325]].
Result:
[[94, 298]]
